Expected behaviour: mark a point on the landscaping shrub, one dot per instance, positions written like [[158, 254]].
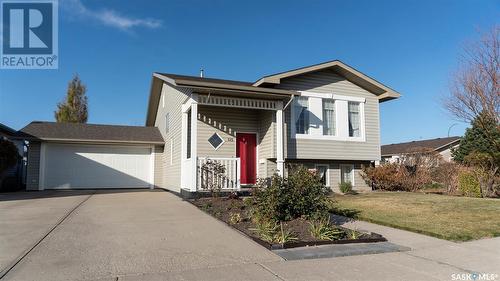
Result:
[[384, 177], [446, 174], [345, 187], [323, 230], [273, 232], [468, 184], [235, 218], [301, 194], [413, 173]]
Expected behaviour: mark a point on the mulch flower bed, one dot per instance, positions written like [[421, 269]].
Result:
[[235, 213]]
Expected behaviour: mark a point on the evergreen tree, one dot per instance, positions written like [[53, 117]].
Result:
[[74, 108], [479, 138]]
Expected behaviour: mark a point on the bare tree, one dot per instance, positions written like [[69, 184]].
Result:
[[474, 90]]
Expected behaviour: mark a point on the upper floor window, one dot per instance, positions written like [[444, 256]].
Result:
[[354, 119], [302, 115], [329, 117], [326, 116]]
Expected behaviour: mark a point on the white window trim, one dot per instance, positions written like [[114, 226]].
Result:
[[327, 172], [337, 137], [223, 141], [352, 173]]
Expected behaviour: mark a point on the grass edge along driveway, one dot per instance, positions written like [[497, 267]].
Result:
[[446, 217]]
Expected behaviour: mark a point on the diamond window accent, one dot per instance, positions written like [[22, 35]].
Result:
[[216, 141]]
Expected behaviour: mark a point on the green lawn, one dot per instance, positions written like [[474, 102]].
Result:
[[447, 217]]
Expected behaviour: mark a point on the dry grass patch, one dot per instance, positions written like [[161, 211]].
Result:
[[447, 217]]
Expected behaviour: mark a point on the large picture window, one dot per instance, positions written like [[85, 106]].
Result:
[[302, 115], [329, 117], [354, 119]]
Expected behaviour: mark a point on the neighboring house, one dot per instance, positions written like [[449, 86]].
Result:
[[14, 176], [324, 116], [394, 153]]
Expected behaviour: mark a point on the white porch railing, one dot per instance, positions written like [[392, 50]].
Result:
[[229, 180]]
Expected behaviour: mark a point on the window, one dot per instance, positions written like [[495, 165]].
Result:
[[347, 173], [216, 141], [302, 115], [354, 120], [322, 171], [329, 117], [167, 122]]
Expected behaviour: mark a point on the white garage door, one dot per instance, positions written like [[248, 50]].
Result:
[[65, 166]]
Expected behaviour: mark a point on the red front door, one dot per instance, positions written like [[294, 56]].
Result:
[[246, 149]]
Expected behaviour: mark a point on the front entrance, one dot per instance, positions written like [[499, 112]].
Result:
[[246, 150]]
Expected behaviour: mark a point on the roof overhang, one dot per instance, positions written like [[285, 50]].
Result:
[[205, 87], [94, 141], [383, 92], [223, 86]]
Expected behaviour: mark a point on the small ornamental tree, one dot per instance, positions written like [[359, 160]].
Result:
[[74, 108]]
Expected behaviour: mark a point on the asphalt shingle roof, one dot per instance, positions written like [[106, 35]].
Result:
[[405, 147], [38, 130]]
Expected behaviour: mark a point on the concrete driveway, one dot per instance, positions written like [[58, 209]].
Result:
[[154, 235], [105, 234]]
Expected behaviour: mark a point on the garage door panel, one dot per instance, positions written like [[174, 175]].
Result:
[[96, 166]]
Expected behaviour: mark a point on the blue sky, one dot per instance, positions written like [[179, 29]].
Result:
[[115, 45]]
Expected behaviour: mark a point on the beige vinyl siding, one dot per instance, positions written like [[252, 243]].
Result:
[[327, 81], [271, 169], [33, 169], [158, 166], [227, 122], [334, 172], [174, 98], [268, 134]]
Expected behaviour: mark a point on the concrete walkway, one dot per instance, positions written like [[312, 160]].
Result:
[[153, 235]]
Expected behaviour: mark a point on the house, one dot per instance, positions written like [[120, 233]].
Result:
[[14, 176], [393, 153], [324, 116]]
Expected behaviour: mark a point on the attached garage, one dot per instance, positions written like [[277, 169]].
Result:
[[88, 156], [95, 166]]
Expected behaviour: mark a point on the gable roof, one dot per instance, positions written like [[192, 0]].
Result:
[[220, 84], [264, 86], [52, 131], [407, 147], [178, 78], [382, 91], [7, 130], [204, 85]]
